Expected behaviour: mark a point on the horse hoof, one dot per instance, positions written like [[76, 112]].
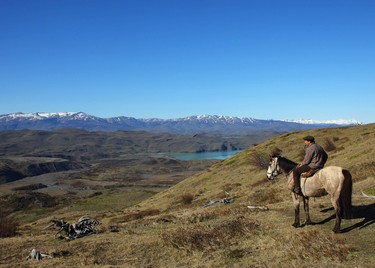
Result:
[[296, 225]]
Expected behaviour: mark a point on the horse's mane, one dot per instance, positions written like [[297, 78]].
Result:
[[285, 164]]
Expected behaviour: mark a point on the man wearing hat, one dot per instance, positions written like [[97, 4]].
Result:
[[315, 159]]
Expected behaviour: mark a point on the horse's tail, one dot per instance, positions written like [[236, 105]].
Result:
[[346, 195]]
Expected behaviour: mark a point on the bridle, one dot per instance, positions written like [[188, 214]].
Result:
[[272, 173]]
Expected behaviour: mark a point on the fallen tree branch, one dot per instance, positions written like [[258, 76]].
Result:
[[262, 208], [37, 255], [368, 196]]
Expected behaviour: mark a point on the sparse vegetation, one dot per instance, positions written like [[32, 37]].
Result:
[[301, 154], [8, 224], [187, 198], [28, 200], [231, 186], [266, 196], [363, 170], [276, 151], [313, 244], [135, 215], [151, 227], [206, 237], [370, 191], [259, 160], [329, 145]]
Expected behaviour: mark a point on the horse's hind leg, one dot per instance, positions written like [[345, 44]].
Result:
[[307, 211], [337, 206]]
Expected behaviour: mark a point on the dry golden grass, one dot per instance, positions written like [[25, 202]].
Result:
[[166, 231], [207, 237]]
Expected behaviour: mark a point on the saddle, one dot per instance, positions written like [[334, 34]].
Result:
[[309, 173]]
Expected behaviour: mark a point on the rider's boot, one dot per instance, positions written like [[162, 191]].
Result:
[[297, 187]]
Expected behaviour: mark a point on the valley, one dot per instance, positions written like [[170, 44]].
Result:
[[54, 169], [153, 210]]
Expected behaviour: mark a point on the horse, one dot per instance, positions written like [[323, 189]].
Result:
[[332, 180]]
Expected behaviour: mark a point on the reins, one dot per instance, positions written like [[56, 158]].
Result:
[[282, 166], [288, 173]]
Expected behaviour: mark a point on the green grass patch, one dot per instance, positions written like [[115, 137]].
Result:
[[34, 214], [369, 191], [113, 200]]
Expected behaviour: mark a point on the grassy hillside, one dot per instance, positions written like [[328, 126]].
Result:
[[350, 147], [174, 229]]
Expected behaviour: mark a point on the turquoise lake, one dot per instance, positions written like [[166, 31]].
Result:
[[220, 155]]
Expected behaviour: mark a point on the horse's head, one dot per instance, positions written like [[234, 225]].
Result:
[[273, 168]]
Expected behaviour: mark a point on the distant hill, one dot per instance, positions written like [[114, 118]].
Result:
[[227, 125], [83, 145]]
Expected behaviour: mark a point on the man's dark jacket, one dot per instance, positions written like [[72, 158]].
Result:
[[315, 156]]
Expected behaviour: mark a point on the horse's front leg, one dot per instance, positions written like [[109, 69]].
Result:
[[296, 201], [307, 211], [336, 204]]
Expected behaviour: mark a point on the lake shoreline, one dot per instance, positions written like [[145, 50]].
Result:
[[213, 155]]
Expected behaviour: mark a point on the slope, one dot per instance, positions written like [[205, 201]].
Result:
[[241, 175], [173, 229]]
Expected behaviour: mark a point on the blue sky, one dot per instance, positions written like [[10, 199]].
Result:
[[267, 59]]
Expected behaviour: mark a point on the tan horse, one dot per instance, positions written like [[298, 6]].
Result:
[[332, 180]]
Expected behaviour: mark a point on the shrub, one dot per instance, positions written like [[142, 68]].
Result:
[[200, 217], [276, 151], [8, 225], [259, 160], [230, 186], [266, 196], [186, 199], [328, 145], [362, 171], [209, 237]]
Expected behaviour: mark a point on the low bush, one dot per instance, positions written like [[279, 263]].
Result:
[[266, 196], [361, 171], [207, 237], [200, 217], [329, 145], [276, 151], [8, 225], [230, 186], [187, 199], [259, 160]]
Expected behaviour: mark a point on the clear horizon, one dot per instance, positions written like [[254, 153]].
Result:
[[282, 60], [304, 121]]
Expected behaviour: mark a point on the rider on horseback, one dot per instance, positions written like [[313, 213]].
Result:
[[315, 159]]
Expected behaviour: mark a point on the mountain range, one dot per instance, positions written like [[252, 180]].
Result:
[[214, 124]]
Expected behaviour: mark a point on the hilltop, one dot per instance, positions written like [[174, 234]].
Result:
[[173, 228]]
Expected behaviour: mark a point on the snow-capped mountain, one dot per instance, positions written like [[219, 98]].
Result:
[[186, 125], [322, 122], [42, 116]]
